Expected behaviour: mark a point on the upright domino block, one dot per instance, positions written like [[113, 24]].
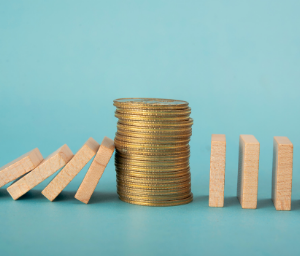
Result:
[[49, 166], [248, 171], [95, 171], [217, 170], [68, 173], [20, 166], [282, 173]]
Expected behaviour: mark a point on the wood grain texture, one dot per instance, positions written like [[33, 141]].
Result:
[[217, 170], [282, 173], [68, 173], [247, 185], [20, 166], [95, 171], [47, 167]]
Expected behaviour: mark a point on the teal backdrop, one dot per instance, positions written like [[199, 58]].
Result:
[[62, 63]]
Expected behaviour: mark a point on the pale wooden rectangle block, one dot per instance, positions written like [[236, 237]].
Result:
[[95, 171], [68, 173], [248, 171], [49, 166], [217, 170], [20, 166], [282, 173]]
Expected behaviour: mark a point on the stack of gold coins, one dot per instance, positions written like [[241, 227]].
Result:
[[152, 151]]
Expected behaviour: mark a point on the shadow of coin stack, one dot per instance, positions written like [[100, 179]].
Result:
[[152, 151]]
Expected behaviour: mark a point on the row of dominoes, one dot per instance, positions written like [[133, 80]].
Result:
[[248, 172], [31, 169]]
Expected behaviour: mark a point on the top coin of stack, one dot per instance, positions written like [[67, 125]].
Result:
[[152, 151]]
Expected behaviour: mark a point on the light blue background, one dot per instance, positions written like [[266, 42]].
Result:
[[62, 63]]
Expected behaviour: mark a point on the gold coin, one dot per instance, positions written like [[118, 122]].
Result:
[[157, 180], [156, 169], [152, 160], [155, 103], [157, 123], [149, 140], [150, 165], [153, 136], [153, 153], [155, 197], [147, 191], [154, 186], [154, 112], [149, 145], [161, 203], [153, 174], [165, 119]]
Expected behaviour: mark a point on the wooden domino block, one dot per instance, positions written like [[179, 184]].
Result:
[[68, 173], [282, 173], [20, 166], [217, 170], [248, 171], [95, 171], [49, 166]]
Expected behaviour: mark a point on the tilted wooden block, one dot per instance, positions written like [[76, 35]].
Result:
[[282, 173], [217, 170], [95, 171], [20, 166], [248, 171], [68, 173], [49, 166]]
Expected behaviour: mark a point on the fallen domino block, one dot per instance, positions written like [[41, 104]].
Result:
[[49, 166], [95, 171], [68, 173], [282, 173], [217, 170], [248, 171], [20, 166]]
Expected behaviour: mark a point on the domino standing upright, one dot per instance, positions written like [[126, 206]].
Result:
[[282, 173], [217, 170], [247, 185]]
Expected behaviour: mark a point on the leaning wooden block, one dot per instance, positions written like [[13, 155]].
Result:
[[68, 173], [49, 166], [282, 173], [95, 171], [248, 171], [20, 166], [217, 170]]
